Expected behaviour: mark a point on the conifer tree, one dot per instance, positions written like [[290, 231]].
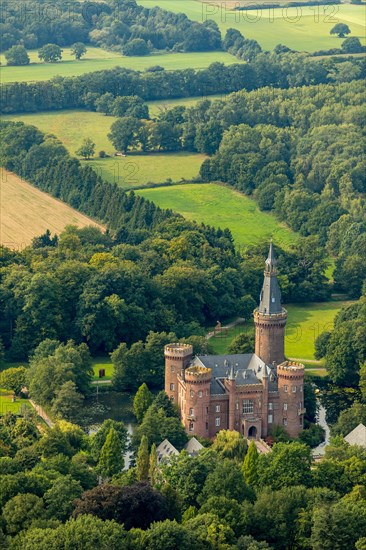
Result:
[[142, 402], [111, 459], [142, 461], [250, 465], [153, 464]]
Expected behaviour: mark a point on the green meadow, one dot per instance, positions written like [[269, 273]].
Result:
[[97, 59], [304, 28], [305, 322], [222, 206], [7, 405], [134, 170]]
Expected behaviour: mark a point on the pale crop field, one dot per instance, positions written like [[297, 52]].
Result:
[[304, 28], [97, 59], [26, 212]]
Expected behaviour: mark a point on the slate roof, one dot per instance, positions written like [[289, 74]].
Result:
[[270, 296], [193, 446], [166, 450], [248, 369], [357, 436]]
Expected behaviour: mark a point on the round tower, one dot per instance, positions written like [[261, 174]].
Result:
[[196, 407], [270, 317], [291, 397], [177, 358]]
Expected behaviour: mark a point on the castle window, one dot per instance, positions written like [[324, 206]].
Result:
[[172, 368], [217, 421], [294, 389], [300, 388], [270, 406], [191, 412], [285, 406], [285, 388], [206, 426], [300, 419], [206, 410], [172, 387], [270, 419], [248, 406], [285, 421], [217, 408], [191, 426], [191, 393], [237, 405], [206, 392], [200, 393]]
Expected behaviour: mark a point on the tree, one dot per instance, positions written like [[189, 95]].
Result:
[[243, 343], [169, 535], [104, 103], [230, 444], [78, 50], [226, 480], [2, 351], [17, 55], [21, 510], [87, 149], [111, 461], [153, 464], [60, 497], [321, 344], [142, 460], [98, 439], [352, 45], [124, 133], [340, 29], [288, 464], [142, 402], [363, 381], [68, 402], [136, 46], [50, 53], [136, 505], [13, 379], [250, 465]]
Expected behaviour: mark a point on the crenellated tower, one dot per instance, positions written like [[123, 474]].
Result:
[[177, 358], [270, 317]]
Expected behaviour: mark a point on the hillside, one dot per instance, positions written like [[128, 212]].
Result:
[[26, 212]]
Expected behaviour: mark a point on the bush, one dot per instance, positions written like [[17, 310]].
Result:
[[137, 46], [102, 154]]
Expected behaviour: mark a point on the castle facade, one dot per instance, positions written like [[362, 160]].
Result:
[[244, 392]]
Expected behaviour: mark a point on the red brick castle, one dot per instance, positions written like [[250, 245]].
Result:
[[245, 392]]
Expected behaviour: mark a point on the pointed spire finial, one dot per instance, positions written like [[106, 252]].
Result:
[[271, 259], [270, 298]]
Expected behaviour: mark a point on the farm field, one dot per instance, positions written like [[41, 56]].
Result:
[[301, 28], [97, 59], [222, 206], [26, 212], [134, 170], [305, 322]]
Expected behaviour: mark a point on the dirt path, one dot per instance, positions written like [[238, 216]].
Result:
[[42, 413], [237, 321]]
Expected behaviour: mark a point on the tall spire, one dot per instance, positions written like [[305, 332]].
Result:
[[270, 297]]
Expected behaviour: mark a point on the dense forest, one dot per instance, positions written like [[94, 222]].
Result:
[[120, 25]]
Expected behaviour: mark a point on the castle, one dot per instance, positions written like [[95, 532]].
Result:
[[244, 392]]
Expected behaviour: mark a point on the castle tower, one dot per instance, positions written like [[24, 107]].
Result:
[[270, 317], [196, 406], [291, 393], [177, 358]]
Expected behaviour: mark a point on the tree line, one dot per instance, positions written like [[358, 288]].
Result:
[[121, 25], [278, 70]]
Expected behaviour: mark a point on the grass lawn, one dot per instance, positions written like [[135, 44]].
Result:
[[155, 107], [301, 28], [222, 206], [97, 59], [72, 126], [6, 404], [305, 322], [102, 363]]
